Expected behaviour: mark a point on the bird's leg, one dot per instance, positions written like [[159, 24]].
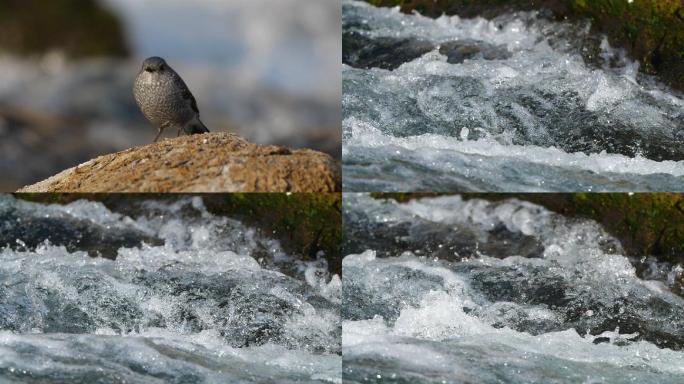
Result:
[[159, 132], [179, 130]]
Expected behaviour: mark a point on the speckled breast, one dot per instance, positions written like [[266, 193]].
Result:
[[162, 103]]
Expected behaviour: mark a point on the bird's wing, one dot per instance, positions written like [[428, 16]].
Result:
[[193, 103], [185, 92]]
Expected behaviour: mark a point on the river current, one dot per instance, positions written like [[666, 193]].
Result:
[[167, 292], [516, 103], [447, 290]]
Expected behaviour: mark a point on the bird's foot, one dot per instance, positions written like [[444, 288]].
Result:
[[159, 132]]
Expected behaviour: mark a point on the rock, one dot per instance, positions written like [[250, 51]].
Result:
[[75, 234], [460, 50], [215, 162], [304, 223], [649, 30], [644, 223], [360, 51]]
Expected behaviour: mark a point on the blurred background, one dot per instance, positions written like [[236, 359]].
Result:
[[267, 70]]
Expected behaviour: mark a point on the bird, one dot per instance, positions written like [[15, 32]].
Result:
[[165, 100]]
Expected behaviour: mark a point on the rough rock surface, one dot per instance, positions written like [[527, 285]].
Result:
[[216, 162]]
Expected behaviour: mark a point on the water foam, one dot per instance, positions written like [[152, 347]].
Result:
[[577, 312], [541, 119], [195, 305]]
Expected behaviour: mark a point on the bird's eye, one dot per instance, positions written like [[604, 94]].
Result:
[[161, 67]]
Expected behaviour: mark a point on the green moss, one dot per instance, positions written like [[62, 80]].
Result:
[[77, 27], [645, 223], [305, 223], [652, 31]]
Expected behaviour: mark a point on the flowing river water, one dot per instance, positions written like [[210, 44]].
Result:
[[517, 103], [447, 290], [190, 297]]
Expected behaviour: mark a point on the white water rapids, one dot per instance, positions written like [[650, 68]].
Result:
[[191, 297], [454, 291], [508, 104]]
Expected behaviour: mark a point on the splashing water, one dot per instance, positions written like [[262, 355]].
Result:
[[509, 104], [190, 297], [452, 291]]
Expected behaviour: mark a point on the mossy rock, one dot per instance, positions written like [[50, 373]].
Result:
[[645, 223], [79, 28], [652, 31], [305, 223]]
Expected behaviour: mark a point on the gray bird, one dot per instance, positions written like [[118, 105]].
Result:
[[165, 100]]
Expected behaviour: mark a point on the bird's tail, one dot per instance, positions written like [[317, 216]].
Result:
[[195, 126]]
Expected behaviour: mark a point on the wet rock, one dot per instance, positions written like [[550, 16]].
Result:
[[644, 224], [461, 50], [304, 223], [543, 285], [217, 162], [383, 291], [650, 30], [437, 241], [360, 51], [71, 233]]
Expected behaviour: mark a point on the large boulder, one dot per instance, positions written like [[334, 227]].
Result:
[[215, 162]]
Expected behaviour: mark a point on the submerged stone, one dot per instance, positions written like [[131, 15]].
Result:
[[383, 52], [461, 50]]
